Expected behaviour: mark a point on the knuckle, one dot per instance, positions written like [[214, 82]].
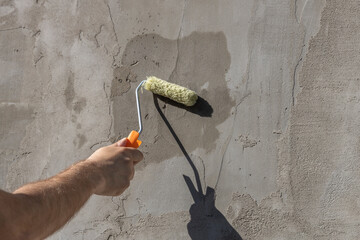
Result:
[[132, 173], [119, 150], [126, 181], [124, 151], [139, 155]]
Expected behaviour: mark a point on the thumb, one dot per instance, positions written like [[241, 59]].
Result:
[[121, 143]]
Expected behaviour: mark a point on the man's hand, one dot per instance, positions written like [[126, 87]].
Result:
[[115, 164], [38, 209]]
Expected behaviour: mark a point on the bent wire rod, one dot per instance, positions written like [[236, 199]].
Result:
[[138, 105]]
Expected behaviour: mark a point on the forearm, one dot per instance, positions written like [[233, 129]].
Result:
[[43, 207]]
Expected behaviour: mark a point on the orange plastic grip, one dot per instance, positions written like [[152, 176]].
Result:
[[132, 140]]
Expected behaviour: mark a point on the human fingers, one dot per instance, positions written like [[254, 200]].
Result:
[[121, 143], [132, 170], [135, 155]]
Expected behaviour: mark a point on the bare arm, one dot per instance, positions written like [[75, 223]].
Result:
[[36, 210]]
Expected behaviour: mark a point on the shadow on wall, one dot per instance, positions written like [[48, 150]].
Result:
[[206, 222], [201, 107], [200, 62]]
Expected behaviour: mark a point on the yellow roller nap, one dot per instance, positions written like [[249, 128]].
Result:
[[170, 90]]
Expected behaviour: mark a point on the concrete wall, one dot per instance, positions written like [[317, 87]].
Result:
[[270, 152]]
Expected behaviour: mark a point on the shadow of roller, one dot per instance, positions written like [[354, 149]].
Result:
[[201, 107], [206, 222]]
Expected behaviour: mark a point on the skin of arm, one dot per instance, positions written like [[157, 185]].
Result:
[[38, 209]]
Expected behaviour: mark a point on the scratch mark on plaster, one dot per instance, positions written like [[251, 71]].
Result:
[[97, 34], [295, 9], [302, 11], [11, 29], [36, 33], [37, 60], [178, 39], [204, 169], [204, 179], [109, 111], [128, 217], [134, 63], [247, 74], [80, 35], [298, 19]]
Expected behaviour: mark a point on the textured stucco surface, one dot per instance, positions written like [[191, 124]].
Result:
[[270, 152]]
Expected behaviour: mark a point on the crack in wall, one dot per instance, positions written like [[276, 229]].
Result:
[[97, 34], [226, 146], [294, 82], [178, 39], [115, 56], [204, 170], [112, 23], [115, 34], [109, 112], [117, 205]]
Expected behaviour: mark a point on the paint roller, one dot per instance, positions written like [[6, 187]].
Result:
[[161, 87]]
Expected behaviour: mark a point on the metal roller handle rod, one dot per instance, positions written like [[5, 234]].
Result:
[[138, 105]]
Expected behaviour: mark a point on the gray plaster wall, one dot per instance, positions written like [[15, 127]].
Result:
[[270, 152]]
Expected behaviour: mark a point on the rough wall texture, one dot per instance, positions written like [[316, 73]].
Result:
[[270, 152]]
